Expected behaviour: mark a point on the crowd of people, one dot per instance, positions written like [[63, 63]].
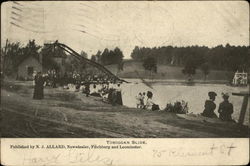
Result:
[[110, 91], [53, 78], [107, 88], [79, 78]]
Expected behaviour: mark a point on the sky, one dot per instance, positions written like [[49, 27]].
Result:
[[94, 25]]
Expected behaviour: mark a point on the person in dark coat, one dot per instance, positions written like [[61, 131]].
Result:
[[210, 106], [38, 89], [150, 105], [111, 96], [225, 109], [54, 80], [119, 95], [87, 89]]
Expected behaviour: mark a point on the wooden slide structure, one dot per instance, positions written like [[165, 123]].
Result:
[[83, 59]]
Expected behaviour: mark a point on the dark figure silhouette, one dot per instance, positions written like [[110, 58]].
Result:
[[119, 95], [210, 106], [38, 89], [53, 81], [87, 90], [225, 108]]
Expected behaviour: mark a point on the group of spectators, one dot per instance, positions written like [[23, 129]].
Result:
[[110, 92], [53, 78], [144, 100], [108, 88], [79, 78], [179, 107]]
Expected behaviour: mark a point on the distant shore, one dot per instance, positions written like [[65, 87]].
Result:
[[177, 82]]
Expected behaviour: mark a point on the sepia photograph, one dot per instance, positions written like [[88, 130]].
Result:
[[125, 69]]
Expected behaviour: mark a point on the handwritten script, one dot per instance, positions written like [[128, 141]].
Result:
[[71, 157], [90, 156], [189, 152]]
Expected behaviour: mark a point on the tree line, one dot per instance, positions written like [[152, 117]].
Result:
[[227, 57], [230, 58], [14, 52], [108, 57]]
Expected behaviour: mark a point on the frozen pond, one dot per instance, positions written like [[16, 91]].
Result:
[[194, 95]]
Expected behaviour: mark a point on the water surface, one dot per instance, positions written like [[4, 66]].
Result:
[[195, 95]]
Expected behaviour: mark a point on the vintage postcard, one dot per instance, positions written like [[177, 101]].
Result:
[[125, 83]]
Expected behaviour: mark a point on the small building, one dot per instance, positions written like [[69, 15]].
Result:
[[240, 78], [28, 66]]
